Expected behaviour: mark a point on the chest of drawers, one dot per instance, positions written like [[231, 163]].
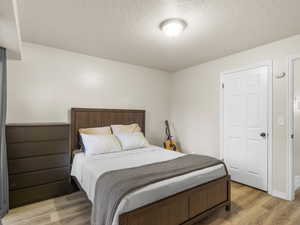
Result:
[[38, 162]]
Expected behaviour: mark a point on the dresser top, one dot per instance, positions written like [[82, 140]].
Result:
[[36, 124]]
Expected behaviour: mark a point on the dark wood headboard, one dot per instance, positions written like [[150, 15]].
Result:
[[86, 117]]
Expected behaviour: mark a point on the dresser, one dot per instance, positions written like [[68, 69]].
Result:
[[38, 162]]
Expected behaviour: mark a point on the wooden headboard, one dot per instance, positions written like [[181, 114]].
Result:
[[86, 117]]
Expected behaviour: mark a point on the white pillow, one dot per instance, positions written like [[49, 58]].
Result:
[[117, 129], [98, 144], [95, 130], [132, 140]]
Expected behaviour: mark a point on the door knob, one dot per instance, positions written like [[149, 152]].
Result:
[[263, 134]]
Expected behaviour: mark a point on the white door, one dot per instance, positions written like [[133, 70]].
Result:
[[245, 99]]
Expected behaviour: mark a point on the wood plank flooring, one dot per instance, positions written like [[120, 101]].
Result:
[[249, 207]]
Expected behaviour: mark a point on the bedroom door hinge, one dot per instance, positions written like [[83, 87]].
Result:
[[222, 85]]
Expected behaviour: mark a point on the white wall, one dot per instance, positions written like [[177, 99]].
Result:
[[297, 116], [196, 98], [48, 82]]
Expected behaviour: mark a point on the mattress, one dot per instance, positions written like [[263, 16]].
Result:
[[87, 169]]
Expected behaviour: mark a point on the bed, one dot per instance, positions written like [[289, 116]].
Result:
[[183, 199]]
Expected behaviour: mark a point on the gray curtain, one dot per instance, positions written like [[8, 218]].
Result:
[[3, 156]]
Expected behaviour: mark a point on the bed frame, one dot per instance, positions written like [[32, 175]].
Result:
[[184, 208]]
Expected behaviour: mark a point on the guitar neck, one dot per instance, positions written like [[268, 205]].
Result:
[[168, 133]]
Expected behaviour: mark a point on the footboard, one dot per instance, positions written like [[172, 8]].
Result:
[[184, 208]]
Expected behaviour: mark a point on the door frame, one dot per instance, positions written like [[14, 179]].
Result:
[[291, 128], [269, 64]]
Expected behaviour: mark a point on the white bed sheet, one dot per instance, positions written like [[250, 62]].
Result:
[[87, 169]]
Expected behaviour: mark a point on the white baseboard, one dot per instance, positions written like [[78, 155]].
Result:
[[279, 194], [297, 182]]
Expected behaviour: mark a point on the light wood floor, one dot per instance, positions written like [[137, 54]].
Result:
[[250, 207]]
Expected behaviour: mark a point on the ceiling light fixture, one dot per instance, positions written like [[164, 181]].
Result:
[[173, 27]]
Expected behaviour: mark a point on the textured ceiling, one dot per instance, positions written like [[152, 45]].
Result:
[[127, 30]]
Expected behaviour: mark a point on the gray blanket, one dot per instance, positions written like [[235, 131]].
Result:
[[112, 186]]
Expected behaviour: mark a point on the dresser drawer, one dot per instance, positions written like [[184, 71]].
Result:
[[37, 178], [39, 193], [37, 163], [27, 149], [16, 134]]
